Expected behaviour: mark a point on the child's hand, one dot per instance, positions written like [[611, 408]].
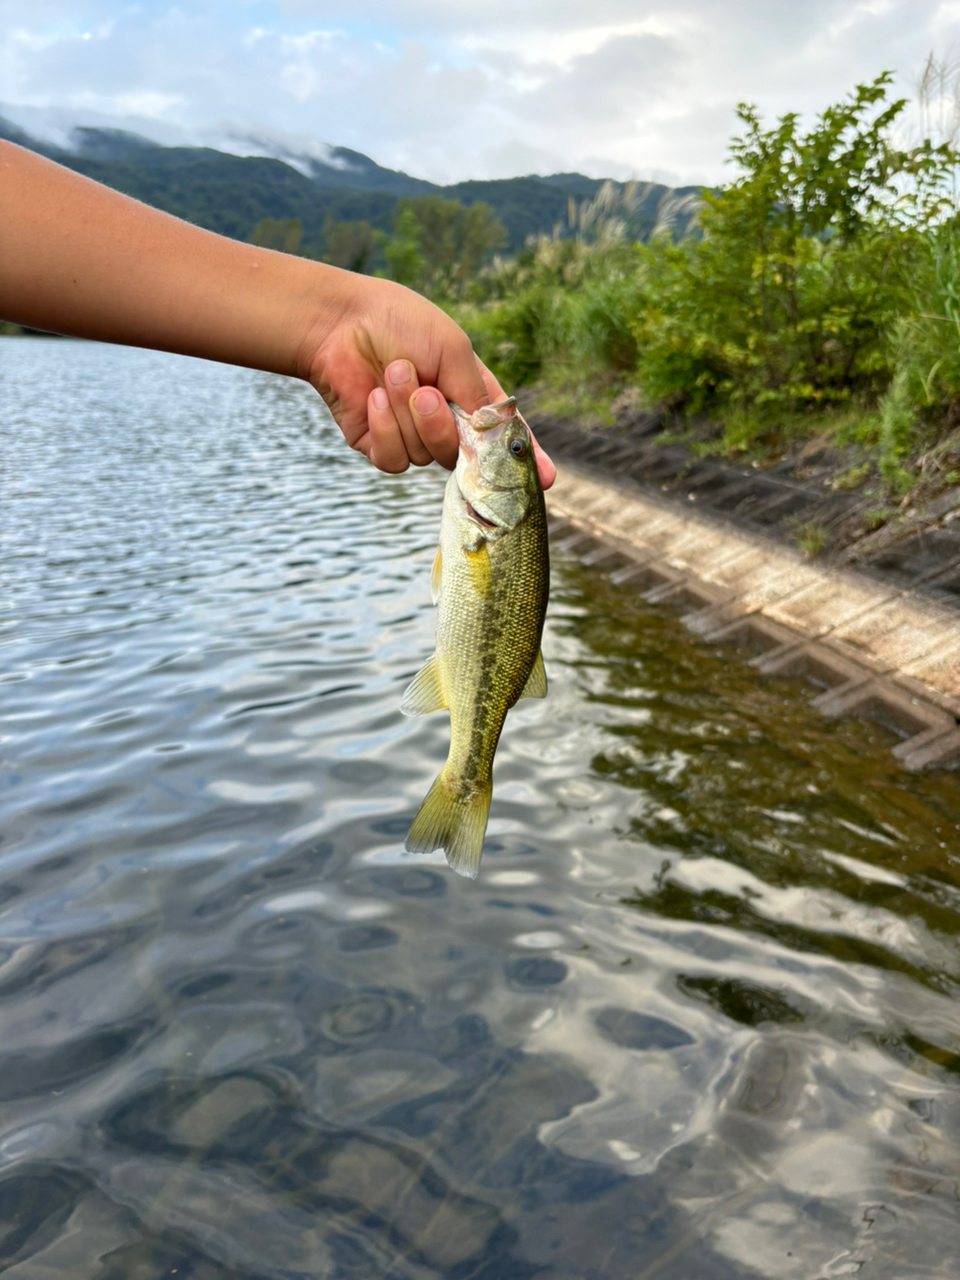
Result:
[[387, 370], [81, 259]]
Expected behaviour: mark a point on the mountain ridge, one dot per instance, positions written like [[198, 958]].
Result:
[[231, 193]]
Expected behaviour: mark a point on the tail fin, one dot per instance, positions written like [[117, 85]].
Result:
[[454, 825]]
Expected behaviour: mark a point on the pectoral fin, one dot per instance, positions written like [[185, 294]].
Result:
[[536, 686], [481, 576], [436, 575], [424, 694]]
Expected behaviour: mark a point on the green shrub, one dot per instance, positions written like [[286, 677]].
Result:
[[817, 292], [788, 298]]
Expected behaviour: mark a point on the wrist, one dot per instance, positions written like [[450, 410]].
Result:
[[335, 304]]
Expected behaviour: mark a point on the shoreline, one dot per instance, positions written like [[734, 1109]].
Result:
[[876, 646]]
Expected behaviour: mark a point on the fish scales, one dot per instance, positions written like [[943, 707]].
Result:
[[495, 637], [491, 582]]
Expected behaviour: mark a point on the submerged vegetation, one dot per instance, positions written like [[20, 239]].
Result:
[[815, 295]]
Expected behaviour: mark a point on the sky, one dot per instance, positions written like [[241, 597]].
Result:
[[455, 89]]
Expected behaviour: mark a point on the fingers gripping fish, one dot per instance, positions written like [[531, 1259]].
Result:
[[490, 583]]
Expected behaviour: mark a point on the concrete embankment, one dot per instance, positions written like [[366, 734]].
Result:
[[880, 643]]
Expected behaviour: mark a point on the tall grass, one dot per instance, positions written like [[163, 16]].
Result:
[[921, 407]]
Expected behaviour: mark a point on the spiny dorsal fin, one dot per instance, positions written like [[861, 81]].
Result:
[[424, 694], [536, 686]]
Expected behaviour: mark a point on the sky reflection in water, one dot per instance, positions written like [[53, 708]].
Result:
[[697, 1017]]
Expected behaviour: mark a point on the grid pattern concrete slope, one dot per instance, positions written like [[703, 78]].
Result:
[[877, 647]]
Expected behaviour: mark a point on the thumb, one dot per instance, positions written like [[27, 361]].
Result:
[[461, 377]]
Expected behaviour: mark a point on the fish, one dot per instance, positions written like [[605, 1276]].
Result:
[[490, 581]]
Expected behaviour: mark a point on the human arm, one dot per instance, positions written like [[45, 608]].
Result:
[[81, 259]]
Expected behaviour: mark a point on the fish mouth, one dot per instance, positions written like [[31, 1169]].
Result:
[[477, 518], [486, 424], [490, 416]]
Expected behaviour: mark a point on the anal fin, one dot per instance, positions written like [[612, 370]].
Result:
[[424, 693]]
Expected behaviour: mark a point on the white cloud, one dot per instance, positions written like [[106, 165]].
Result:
[[482, 88], [561, 47]]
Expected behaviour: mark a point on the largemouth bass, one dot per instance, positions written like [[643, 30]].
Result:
[[490, 582]]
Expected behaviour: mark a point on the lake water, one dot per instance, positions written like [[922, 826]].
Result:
[[697, 1018]]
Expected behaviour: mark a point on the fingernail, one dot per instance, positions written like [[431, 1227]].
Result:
[[426, 402], [380, 398], [398, 372]]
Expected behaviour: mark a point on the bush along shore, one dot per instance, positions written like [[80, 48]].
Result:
[[806, 321]]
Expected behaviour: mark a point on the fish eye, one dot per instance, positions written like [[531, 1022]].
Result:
[[518, 447]]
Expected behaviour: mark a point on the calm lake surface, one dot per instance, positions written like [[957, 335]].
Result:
[[698, 1018]]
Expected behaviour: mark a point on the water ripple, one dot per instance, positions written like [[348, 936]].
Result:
[[697, 1017]]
